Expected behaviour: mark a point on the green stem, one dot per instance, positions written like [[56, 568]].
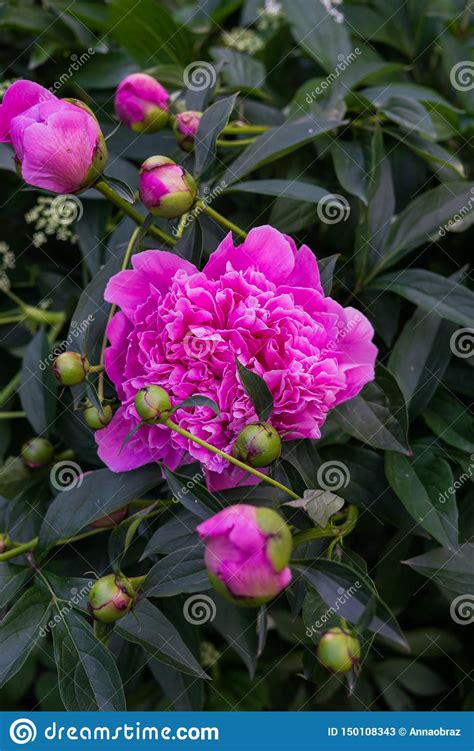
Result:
[[136, 581], [223, 143], [11, 415], [173, 426], [138, 218], [233, 129], [222, 220], [96, 368], [339, 532]]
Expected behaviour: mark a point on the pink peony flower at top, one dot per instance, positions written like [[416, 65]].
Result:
[[247, 552], [185, 127], [181, 329], [141, 103], [58, 144]]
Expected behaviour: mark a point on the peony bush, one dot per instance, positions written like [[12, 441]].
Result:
[[235, 423]]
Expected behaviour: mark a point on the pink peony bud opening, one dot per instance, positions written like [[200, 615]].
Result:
[[185, 127], [166, 189], [141, 103]]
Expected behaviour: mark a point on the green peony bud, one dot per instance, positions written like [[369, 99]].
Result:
[[71, 368], [94, 418], [5, 542], [258, 444], [37, 453], [110, 598], [338, 650], [153, 404]]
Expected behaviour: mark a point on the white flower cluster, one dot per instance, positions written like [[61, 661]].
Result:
[[334, 12], [47, 223], [7, 261], [270, 16], [243, 40]]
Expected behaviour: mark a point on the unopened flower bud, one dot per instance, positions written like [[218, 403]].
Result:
[[338, 650], [110, 598], [37, 453], [166, 189], [247, 553], [111, 520], [4, 542], [71, 368], [258, 444], [96, 419], [185, 127], [141, 103], [153, 404]]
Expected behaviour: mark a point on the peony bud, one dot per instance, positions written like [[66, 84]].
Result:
[[185, 127], [5, 542], [247, 552], [37, 453], [71, 368], [141, 103], [96, 419], [258, 444], [338, 650], [58, 143], [110, 598], [111, 520], [153, 404], [166, 189]]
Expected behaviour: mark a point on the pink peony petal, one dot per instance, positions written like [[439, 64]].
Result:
[[18, 98]]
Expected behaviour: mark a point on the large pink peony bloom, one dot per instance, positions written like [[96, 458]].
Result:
[[58, 145], [182, 328]]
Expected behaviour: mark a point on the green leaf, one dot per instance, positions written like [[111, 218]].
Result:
[[88, 677], [318, 32], [194, 496], [295, 189], [257, 390], [149, 33], [176, 533], [451, 570], [212, 122], [198, 401], [238, 626], [433, 153], [411, 115], [276, 143], [12, 579], [94, 496], [377, 416], [449, 419], [240, 71], [431, 292], [178, 572], [38, 386], [328, 578], [350, 169], [148, 627], [121, 187], [326, 272], [20, 630], [320, 505], [425, 487]]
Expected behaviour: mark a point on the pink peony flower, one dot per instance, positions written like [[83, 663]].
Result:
[[185, 128], [58, 144], [181, 329], [247, 552], [141, 102]]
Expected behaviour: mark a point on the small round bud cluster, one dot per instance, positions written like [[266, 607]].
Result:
[[338, 650], [153, 405], [96, 419], [36, 453], [258, 444], [110, 598], [71, 368]]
